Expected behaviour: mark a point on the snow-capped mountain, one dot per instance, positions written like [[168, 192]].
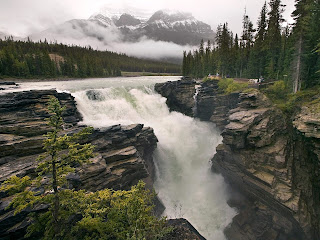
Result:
[[177, 27], [128, 31]]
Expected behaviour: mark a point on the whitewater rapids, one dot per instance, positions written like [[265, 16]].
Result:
[[184, 181]]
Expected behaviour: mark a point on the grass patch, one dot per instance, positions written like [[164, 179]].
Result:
[[228, 85], [288, 102]]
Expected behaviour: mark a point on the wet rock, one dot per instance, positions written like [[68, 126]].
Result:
[[179, 95], [8, 83], [183, 230]]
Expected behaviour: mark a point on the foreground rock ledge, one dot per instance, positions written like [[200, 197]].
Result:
[[123, 153], [271, 162]]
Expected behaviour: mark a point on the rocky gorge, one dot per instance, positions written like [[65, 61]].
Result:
[[123, 155], [271, 161]]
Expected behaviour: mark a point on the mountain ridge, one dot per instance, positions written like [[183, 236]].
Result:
[[177, 27]]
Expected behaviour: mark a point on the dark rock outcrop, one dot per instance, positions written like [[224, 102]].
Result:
[[272, 162], [212, 105], [183, 230], [123, 153], [8, 83], [179, 95]]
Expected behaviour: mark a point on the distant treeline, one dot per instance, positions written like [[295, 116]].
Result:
[[269, 50], [27, 59]]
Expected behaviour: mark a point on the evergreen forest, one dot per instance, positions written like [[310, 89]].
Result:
[[28, 59], [273, 49]]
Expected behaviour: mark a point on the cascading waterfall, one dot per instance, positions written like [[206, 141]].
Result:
[[195, 98], [184, 181]]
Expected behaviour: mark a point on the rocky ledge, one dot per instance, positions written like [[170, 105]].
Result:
[[179, 95], [271, 162], [123, 153]]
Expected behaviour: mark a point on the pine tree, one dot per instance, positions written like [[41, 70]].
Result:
[[184, 64], [260, 46], [62, 154], [207, 59], [306, 34], [273, 38]]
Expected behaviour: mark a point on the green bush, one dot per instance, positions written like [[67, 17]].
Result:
[[224, 83], [120, 215], [288, 102], [236, 87], [227, 85], [205, 79], [278, 90]]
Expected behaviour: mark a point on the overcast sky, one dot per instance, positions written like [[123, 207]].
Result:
[[23, 17]]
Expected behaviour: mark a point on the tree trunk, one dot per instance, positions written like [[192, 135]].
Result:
[[55, 213], [297, 81], [56, 203]]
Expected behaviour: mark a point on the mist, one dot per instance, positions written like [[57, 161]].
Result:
[[90, 33]]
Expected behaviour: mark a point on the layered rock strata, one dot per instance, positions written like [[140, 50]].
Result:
[[179, 94], [123, 153], [255, 159], [269, 159]]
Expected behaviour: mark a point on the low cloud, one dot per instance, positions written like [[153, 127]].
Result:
[[90, 33], [147, 48]]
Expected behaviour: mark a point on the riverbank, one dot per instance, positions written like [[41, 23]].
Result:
[[124, 74]]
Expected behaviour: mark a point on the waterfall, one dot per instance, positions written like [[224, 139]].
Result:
[[184, 181], [195, 98]]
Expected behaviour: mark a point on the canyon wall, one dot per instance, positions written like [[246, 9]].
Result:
[[271, 161]]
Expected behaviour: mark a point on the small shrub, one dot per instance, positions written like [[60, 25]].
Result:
[[236, 87], [224, 83], [205, 79], [278, 89]]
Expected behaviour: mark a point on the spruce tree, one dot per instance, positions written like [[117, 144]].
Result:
[[273, 38], [62, 154], [306, 33]]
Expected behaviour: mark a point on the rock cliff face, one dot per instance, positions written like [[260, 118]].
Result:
[[271, 161], [123, 153], [179, 95], [254, 158], [305, 152]]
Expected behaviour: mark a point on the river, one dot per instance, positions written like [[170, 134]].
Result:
[[184, 181]]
